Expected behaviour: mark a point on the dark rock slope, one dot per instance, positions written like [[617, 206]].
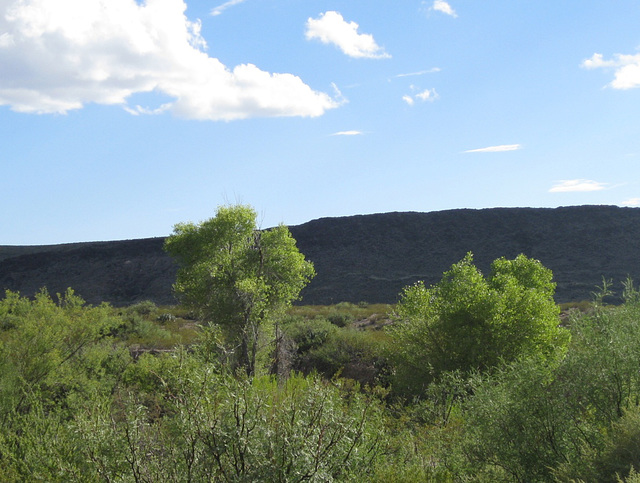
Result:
[[363, 258], [120, 272]]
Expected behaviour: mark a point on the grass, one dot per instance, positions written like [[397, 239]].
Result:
[[362, 315], [150, 326], [582, 306]]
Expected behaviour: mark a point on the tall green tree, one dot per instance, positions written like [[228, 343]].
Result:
[[238, 276], [471, 322]]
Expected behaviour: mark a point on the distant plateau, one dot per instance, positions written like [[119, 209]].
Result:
[[363, 258]]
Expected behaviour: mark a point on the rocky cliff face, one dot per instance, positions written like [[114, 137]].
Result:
[[363, 258]]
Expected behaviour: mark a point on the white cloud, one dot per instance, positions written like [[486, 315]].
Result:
[[627, 69], [58, 56], [427, 95], [421, 72], [577, 185], [221, 8], [496, 149], [631, 202], [331, 28], [443, 7], [347, 133]]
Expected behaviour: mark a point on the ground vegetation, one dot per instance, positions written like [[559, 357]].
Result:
[[149, 393]]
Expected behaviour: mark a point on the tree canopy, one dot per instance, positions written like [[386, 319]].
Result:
[[237, 276], [467, 321]]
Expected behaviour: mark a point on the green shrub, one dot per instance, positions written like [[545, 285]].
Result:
[[622, 450], [55, 360], [576, 419], [341, 319], [139, 330], [517, 423], [467, 322], [149, 334], [349, 353], [309, 334], [46, 339], [215, 427], [633, 477], [146, 307]]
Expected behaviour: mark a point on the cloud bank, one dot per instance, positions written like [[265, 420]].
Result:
[[56, 56], [331, 28], [577, 185], [626, 67], [496, 149]]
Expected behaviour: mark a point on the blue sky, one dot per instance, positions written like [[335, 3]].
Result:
[[119, 119]]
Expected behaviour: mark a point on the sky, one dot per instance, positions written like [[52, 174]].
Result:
[[122, 118]]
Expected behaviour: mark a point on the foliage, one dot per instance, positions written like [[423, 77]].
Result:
[[621, 455], [54, 357], [320, 346], [373, 316], [308, 334], [76, 405], [468, 322], [517, 424], [144, 326], [575, 419], [237, 276], [40, 343], [341, 319], [145, 307], [216, 427]]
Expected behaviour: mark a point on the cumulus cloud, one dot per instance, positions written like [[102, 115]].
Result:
[[331, 28], [626, 69], [347, 133], [577, 185], [221, 8], [496, 149], [58, 56], [443, 7]]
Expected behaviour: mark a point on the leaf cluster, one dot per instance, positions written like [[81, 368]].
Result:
[[470, 322]]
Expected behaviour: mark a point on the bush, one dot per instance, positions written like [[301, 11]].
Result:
[[349, 353], [146, 307], [217, 427], [576, 419], [341, 319], [467, 322], [517, 424], [622, 450], [309, 334]]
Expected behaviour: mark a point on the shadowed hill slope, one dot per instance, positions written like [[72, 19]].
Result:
[[363, 258], [120, 272]]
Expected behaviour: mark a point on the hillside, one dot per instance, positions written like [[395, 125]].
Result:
[[362, 258]]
